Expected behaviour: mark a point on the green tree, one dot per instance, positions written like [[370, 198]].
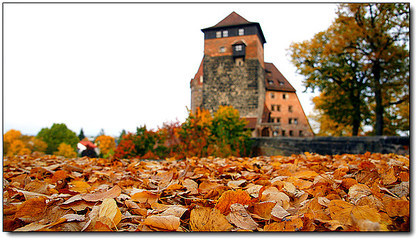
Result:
[[228, 132], [361, 60], [57, 134], [81, 135]]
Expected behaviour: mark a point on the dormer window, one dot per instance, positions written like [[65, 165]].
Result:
[[238, 50]]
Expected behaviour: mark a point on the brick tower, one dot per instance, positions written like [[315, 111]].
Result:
[[233, 72]]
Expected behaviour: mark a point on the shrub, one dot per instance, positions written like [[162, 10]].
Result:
[[66, 150], [57, 134]]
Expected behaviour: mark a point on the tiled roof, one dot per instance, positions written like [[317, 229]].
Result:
[[198, 74], [232, 20], [275, 81], [252, 122], [266, 114]]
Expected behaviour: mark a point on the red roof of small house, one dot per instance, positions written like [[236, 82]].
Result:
[[251, 122], [88, 144], [275, 81]]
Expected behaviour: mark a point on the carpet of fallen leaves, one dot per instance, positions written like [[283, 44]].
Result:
[[308, 192]]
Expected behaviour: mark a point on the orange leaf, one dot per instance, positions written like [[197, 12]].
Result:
[[397, 208], [290, 225], [230, 197], [79, 186], [32, 209], [169, 223], [145, 196]]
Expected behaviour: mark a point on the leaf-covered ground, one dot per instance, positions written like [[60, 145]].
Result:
[[310, 192]]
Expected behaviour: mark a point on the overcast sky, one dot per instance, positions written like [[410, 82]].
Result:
[[119, 66]]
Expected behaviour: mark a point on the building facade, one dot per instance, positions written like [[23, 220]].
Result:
[[233, 72]]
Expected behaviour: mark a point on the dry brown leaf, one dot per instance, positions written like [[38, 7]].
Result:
[[273, 194], [168, 223], [32, 209], [205, 219], [100, 196], [241, 218], [145, 197], [262, 210], [279, 212], [290, 225]]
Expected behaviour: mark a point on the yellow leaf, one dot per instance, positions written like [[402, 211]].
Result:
[[79, 186], [109, 213], [207, 219], [349, 214]]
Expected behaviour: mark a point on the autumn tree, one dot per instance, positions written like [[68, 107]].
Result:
[[106, 145], [360, 60], [66, 150], [228, 132], [57, 134]]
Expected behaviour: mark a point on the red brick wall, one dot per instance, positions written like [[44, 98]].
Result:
[[254, 48], [284, 114]]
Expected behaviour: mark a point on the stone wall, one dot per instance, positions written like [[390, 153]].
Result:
[[287, 146], [225, 83]]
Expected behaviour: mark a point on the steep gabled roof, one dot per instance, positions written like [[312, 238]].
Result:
[[275, 81], [232, 20]]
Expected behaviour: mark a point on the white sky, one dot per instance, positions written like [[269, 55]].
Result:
[[119, 66]]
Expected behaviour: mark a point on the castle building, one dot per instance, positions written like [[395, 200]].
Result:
[[233, 72]]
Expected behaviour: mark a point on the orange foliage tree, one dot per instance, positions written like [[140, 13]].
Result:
[[66, 150], [106, 145]]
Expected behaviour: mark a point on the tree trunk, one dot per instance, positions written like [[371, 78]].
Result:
[[379, 110], [356, 121]]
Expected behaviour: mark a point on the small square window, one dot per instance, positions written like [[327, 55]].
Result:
[[290, 133], [278, 120], [222, 49], [295, 121], [275, 133], [300, 133], [290, 109], [283, 133], [271, 95], [241, 31], [225, 33], [218, 34], [290, 121], [238, 48], [272, 107], [284, 95]]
